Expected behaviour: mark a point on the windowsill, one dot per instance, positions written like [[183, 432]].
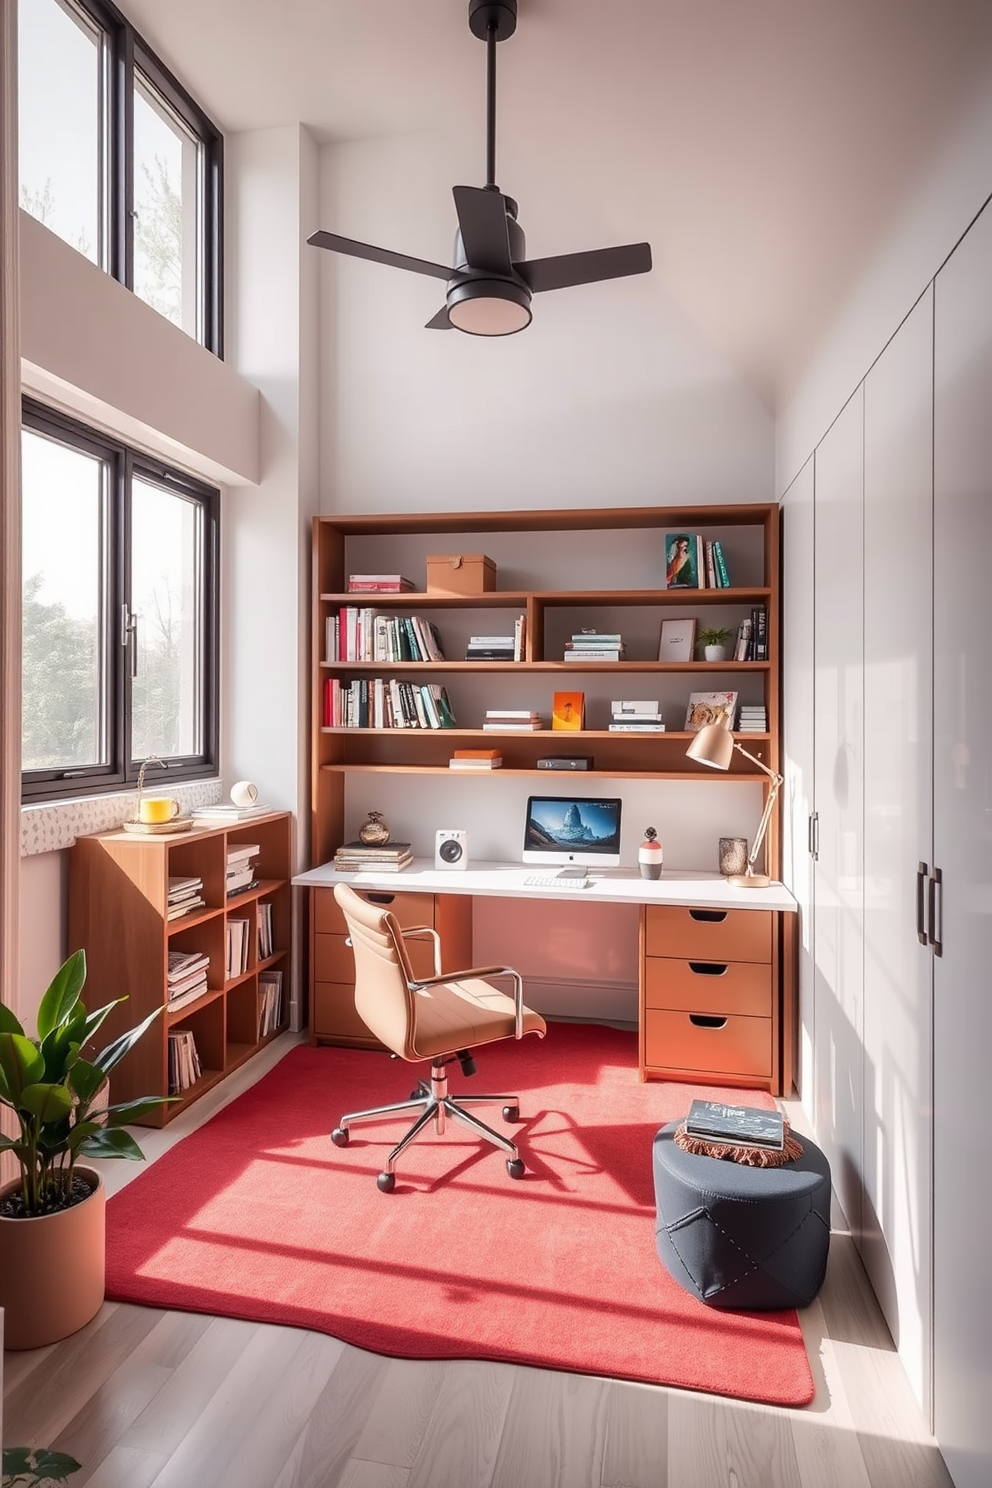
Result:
[[51, 826]]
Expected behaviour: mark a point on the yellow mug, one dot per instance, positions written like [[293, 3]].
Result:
[[157, 809]]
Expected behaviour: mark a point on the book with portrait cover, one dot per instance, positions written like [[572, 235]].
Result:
[[740, 1126], [681, 568], [706, 707]]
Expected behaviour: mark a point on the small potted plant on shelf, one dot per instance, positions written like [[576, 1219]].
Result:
[[714, 643], [52, 1217]]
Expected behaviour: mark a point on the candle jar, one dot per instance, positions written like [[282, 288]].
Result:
[[733, 856]]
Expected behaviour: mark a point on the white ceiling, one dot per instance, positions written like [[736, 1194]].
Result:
[[762, 147]]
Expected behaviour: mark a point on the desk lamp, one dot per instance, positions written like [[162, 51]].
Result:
[[714, 745]]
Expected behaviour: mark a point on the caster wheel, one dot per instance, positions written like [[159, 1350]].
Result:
[[386, 1182], [511, 1113], [339, 1136], [415, 1094], [515, 1167]]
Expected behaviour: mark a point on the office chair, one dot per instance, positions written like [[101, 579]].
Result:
[[440, 1018]]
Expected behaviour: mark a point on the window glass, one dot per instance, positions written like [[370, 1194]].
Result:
[[166, 589], [167, 216], [64, 703], [60, 100]]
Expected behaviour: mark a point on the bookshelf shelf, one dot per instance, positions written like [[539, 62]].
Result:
[[118, 900]]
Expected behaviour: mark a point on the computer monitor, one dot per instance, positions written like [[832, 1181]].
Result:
[[566, 830]]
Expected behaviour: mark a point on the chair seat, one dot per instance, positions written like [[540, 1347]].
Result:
[[461, 1014]]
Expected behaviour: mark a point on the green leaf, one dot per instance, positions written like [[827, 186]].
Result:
[[49, 1103], [94, 1021], [20, 1064], [63, 993], [8, 1023], [111, 1143], [38, 1465], [129, 1111], [80, 1133], [57, 1465], [85, 1079], [114, 1053]]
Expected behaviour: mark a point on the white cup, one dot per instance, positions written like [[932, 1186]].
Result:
[[244, 793]]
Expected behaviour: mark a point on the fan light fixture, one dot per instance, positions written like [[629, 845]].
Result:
[[714, 746], [489, 288]]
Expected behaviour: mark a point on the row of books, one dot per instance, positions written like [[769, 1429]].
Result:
[[476, 760], [595, 645], [184, 1062], [694, 562], [378, 702], [364, 583], [269, 1002], [186, 978], [636, 715], [355, 634], [241, 868], [238, 945], [185, 894], [752, 637], [499, 647], [382, 857]]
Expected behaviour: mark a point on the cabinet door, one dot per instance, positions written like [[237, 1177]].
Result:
[[838, 793], [895, 1243], [963, 851], [798, 745]]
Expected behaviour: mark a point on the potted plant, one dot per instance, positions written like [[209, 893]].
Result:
[[714, 643], [52, 1217]]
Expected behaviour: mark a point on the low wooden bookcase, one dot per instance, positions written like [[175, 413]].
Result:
[[118, 893]]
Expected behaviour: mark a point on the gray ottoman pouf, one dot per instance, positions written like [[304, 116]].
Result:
[[740, 1237]]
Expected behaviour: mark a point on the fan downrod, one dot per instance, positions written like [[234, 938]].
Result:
[[500, 14]]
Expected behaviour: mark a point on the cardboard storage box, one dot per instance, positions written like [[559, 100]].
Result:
[[460, 573]]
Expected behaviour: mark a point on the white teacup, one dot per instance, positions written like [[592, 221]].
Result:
[[244, 793]]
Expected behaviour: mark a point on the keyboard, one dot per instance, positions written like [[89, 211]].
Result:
[[552, 881]]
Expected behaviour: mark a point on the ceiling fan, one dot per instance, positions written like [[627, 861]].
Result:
[[491, 283]]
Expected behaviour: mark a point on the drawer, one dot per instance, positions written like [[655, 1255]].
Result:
[[333, 1014], [708, 986], [735, 1046], [708, 934], [409, 909], [334, 960]]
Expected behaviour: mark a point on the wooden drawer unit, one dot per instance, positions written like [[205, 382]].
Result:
[[694, 1044], [332, 965], [708, 986], [709, 934]]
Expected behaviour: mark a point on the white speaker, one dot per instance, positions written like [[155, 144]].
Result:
[[450, 848]]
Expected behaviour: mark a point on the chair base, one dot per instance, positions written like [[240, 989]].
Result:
[[435, 1105]]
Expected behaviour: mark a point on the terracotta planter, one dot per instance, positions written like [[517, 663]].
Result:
[[52, 1269]]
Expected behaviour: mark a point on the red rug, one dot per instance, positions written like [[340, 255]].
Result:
[[257, 1215]]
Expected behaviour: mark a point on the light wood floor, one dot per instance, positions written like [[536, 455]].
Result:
[[152, 1399]]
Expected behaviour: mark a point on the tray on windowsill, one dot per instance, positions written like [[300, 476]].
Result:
[[159, 829]]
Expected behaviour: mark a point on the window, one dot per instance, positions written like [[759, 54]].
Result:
[[118, 160], [120, 613]]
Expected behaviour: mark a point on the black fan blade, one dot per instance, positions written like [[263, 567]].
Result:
[[379, 255], [585, 268], [440, 321], [482, 220]]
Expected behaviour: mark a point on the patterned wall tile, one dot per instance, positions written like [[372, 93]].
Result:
[[56, 824]]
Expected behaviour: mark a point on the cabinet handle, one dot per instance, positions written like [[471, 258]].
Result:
[[813, 835], [708, 968], [921, 930], [936, 911], [706, 1020], [709, 916], [374, 898]]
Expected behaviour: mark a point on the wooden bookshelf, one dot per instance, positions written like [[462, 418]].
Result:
[[118, 892]]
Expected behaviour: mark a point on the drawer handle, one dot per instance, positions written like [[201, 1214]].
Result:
[[708, 916], [708, 968], [374, 898], [706, 1020]]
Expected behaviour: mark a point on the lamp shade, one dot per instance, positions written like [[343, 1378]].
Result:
[[489, 307], [713, 745]]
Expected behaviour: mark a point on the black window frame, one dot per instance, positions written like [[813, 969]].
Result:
[[125, 53], [124, 463]]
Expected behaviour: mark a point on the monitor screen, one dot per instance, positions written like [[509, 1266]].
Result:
[[572, 829]]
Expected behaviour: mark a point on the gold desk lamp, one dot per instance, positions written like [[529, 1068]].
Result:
[[714, 746]]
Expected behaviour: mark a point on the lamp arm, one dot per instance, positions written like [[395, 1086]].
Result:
[[776, 786]]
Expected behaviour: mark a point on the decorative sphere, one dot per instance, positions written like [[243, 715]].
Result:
[[375, 831]]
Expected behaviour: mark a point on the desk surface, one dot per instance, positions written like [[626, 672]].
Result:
[[608, 886]]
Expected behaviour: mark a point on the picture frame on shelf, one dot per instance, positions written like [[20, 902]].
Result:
[[678, 639], [707, 707], [568, 711], [681, 563]]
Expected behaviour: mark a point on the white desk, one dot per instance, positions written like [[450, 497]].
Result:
[[717, 984]]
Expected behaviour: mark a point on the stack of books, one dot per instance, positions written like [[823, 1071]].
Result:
[[512, 720], [186, 978], [265, 946], [240, 868], [269, 1002], [753, 719], [476, 759], [379, 584], [184, 1062], [384, 857], [735, 1126], [595, 645], [223, 811], [490, 648], [636, 715], [185, 894], [237, 948]]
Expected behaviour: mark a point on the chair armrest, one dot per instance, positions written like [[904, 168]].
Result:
[[414, 932], [484, 971]]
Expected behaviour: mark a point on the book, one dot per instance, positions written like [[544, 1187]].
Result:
[[511, 727], [362, 865], [378, 851], [221, 812], [739, 1126], [677, 640], [475, 764], [633, 728], [681, 569], [723, 573], [711, 582], [519, 714], [568, 711], [604, 655], [382, 583], [519, 637], [176, 911], [707, 707], [489, 754]]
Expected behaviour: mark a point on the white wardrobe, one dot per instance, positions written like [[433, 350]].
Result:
[[888, 749]]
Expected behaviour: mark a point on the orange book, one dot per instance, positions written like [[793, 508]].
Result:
[[568, 710], [477, 754]]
